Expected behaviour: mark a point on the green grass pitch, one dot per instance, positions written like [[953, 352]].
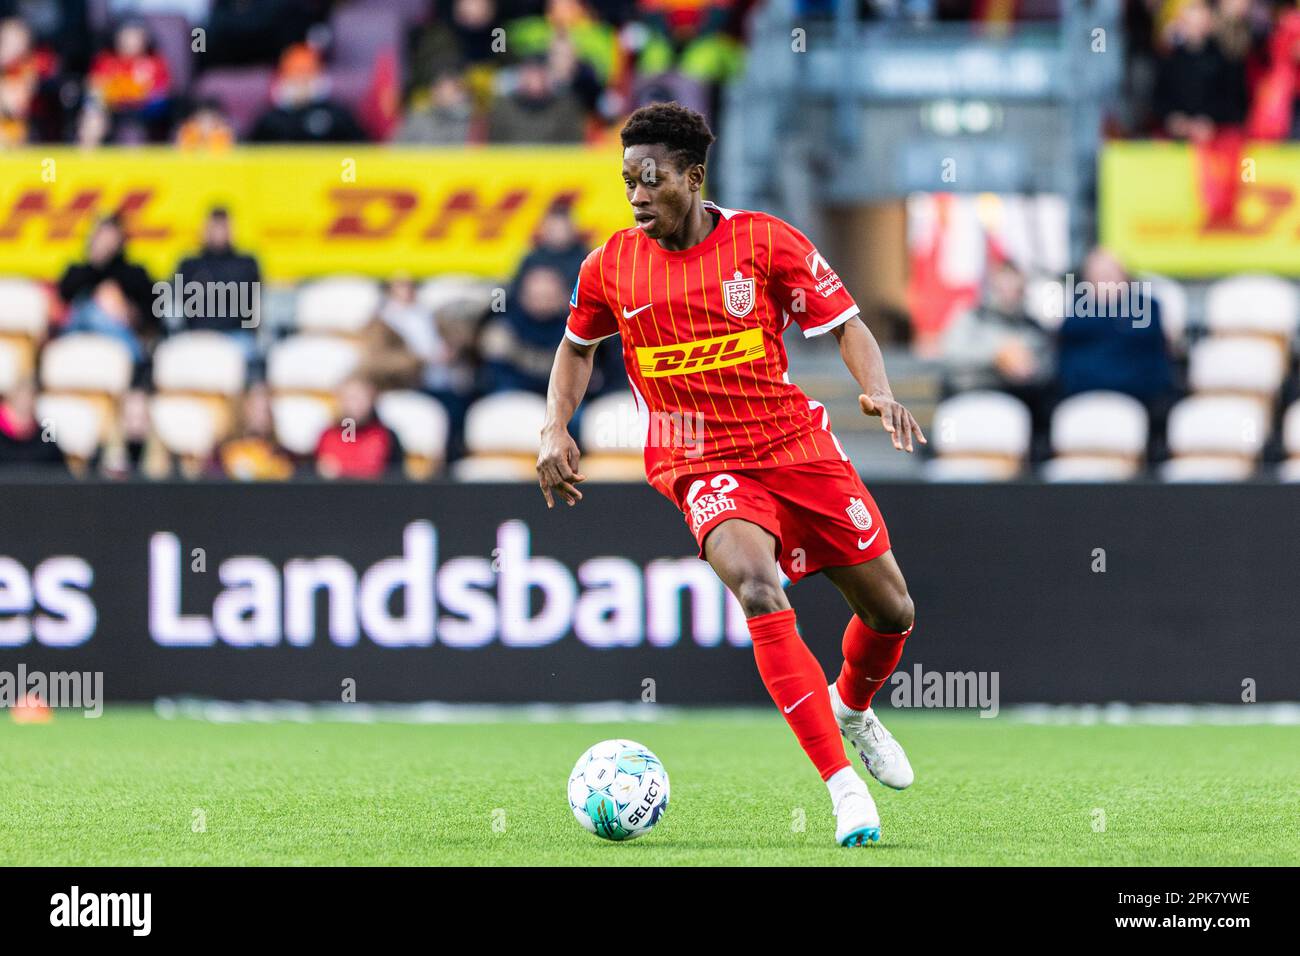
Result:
[[130, 788]]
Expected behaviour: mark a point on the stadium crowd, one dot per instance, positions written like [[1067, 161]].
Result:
[[209, 73]]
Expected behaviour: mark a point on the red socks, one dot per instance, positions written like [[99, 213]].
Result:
[[869, 658], [798, 686]]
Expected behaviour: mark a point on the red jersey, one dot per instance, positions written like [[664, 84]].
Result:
[[701, 333]]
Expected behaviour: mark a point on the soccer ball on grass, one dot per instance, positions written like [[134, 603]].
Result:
[[618, 790]]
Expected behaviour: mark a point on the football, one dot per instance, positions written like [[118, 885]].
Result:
[[618, 790]]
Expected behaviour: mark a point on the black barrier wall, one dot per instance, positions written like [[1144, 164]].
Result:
[[478, 593]]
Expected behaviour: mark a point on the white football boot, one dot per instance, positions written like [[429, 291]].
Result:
[[882, 754], [856, 821]]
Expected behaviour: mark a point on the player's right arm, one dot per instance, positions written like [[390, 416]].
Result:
[[557, 461], [590, 321]]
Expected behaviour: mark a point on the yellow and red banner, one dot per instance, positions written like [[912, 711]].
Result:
[[306, 211], [1202, 211]]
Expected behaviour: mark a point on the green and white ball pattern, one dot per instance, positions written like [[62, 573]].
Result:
[[618, 790]]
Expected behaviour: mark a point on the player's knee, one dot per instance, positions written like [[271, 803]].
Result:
[[760, 596], [891, 616]]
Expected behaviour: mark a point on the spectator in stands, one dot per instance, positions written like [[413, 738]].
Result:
[[360, 446], [254, 454], [414, 323], [1105, 344], [22, 68], [1200, 85], [464, 37], [581, 49], [387, 361], [131, 448], [536, 111], [108, 294], [22, 440], [997, 345], [207, 128], [518, 347], [690, 37], [94, 125], [557, 244], [445, 119], [131, 80], [303, 111], [219, 262]]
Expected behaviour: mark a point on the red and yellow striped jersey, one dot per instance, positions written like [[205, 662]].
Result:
[[701, 334]]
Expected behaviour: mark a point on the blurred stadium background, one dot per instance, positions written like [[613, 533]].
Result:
[[1072, 226]]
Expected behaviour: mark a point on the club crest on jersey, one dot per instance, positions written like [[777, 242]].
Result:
[[858, 514], [739, 296]]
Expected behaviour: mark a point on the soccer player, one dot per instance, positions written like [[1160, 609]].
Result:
[[700, 297]]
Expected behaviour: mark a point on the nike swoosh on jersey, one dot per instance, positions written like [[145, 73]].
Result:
[[628, 315], [863, 545]]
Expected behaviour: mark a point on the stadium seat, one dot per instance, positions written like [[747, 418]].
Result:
[[24, 315], [1238, 365], [86, 362], [979, 435], [82, 376], [362, 32], [1084, 468], [1097, 436], [338, 306], [204, 368], [204, 362], [1215, 438], [611, 436], [300, 420], [78, 423], [243, 92], [171, 36], [315, 364], [495, 468], [672, 87], [421, 425], [1261, 305], [467, 293], [189, 427], [11, 362], [1172, 297], [504, 431], [1290, 469], [505, 423], [1213, 468]]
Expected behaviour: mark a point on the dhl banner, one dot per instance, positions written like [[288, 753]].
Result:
[[306, 211], [1207, 211]]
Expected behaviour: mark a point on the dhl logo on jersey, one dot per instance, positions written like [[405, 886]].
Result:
[[657, 361]]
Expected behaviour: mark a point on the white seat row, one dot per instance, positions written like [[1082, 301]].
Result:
[[1102, 436]]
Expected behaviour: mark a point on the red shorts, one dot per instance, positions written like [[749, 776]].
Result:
[[820, 512]]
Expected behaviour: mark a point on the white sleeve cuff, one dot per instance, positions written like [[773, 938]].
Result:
[[836, 322], [568, 334]]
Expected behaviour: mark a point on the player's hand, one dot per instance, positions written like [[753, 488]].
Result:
[[557, 467], [896, 419]]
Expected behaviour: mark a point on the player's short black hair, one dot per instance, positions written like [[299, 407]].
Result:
[[682, 130]]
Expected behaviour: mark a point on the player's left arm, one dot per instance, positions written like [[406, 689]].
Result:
[[812, 295], [864, 360]]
